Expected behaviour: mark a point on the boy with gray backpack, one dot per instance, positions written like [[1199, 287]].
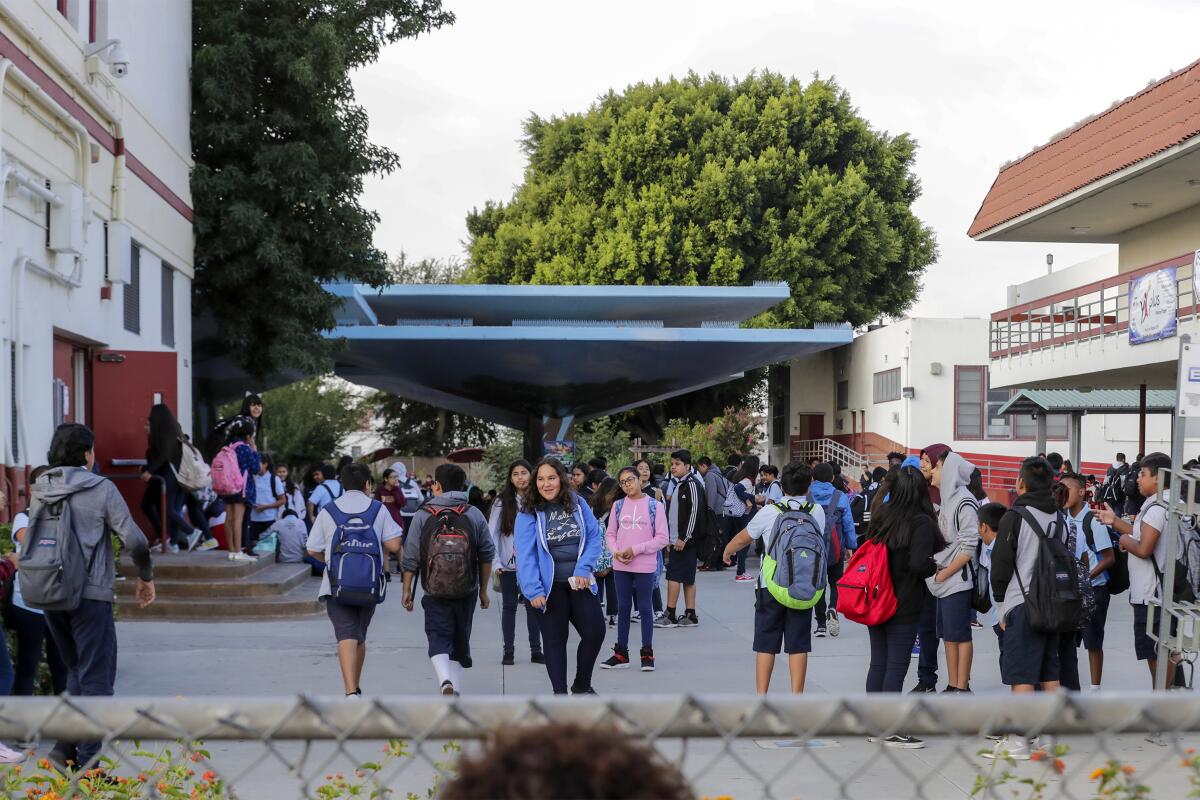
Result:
[[793, 578]]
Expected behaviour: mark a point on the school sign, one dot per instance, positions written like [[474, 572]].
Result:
[[1153, 306]]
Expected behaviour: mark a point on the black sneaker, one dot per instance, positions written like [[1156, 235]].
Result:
[[687, 621], [923, 688], [588, 690], [904, 742], [819, 632], [647, 659], [618, 660], [508, 660], [448, 689], [537, 658], [666, 621], [612, 621]]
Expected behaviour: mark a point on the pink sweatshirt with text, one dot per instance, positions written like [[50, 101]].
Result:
[[631, 528]]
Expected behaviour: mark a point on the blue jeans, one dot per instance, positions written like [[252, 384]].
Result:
[[508, 615], [891, 649], [87, 640], [739, 525], [627, 584], [927, 664], [7, 674]]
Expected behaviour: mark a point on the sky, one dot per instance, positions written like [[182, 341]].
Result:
[[976, 84]]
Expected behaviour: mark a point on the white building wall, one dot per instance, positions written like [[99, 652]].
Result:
[[151, 106]]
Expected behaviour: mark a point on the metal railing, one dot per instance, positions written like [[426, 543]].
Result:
[[724, 745], [1086, 312], [827, 450]]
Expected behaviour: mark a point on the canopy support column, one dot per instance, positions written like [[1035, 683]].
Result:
[[1076, 447], [1142, 418], [1040, 444]]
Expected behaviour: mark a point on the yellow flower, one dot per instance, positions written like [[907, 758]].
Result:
[[1097, 774]]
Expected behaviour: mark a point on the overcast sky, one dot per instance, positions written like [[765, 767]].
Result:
[[975, 83]]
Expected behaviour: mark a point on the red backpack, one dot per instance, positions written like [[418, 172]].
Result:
[[865, 592]]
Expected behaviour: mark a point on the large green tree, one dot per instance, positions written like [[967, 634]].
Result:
[[709, 181], [281, 150]]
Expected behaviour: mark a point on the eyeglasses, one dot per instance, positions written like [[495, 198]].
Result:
[[629, 481]]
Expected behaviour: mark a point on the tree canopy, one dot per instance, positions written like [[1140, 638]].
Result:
[[280, 151], [708, 181]]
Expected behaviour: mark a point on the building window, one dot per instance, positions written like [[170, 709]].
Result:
[[779, 381], [168, 305], [887, 385], [62, 7], [977, 406], [843, 395], [133, 291]]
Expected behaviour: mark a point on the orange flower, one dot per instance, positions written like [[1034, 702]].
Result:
[[162, 786], [44, 763], [1128, 769], [1037, 755], [209, 776], [1059, 766], [1190, 750], [195, 757], [142, 777], [1097, 774]]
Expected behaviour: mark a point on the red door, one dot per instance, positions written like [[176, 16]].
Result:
[[124, 385], [812, 426]]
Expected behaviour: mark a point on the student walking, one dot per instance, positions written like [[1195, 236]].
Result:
[[164, 453], [906, 525], [743, 487], [778, 626], [1143, 539], [412, 491], [502, 525], [685, 510], [841, 538], [1028, 658], [646, 475], [636, 533], [389, 493], [350, 535], [558, 542], [952, 583], [450, 548], [1093, 545], [86, 635]]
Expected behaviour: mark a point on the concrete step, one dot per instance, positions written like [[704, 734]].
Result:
[[299, 601], [211, 564], [269, 580]]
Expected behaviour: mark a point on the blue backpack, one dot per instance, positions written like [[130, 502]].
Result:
[[356, 566]]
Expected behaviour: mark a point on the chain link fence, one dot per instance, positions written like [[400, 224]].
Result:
[[1131, 745]]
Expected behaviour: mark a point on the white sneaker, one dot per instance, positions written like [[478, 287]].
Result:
[[207, 544], [172, 548], [1008, 748], [10, 756], [243, 557], [193, 539], [835, 625], [232, 556]]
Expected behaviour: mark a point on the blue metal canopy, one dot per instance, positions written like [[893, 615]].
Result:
[[510, 353]]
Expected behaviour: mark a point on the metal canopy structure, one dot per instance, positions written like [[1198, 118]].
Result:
[[1099, 401], [517, 355]]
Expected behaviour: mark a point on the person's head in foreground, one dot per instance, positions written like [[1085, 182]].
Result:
[[566, 761]]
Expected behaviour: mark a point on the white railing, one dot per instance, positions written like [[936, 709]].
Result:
[[827, 450]]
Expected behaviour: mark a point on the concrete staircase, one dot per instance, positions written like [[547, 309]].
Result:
[[209, 587]]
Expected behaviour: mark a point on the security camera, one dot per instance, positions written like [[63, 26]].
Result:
[[118, 61]]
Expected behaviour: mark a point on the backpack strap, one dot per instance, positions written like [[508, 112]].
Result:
[[1088, 519]]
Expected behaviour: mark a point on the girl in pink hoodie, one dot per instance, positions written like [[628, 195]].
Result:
[[636, 533]]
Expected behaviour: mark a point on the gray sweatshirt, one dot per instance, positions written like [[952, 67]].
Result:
[[96, 508], [959, 520]]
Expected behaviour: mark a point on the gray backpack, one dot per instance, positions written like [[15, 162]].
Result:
[[53, 569], [794, 568]]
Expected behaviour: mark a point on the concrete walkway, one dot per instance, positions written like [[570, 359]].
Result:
[[288, 657]]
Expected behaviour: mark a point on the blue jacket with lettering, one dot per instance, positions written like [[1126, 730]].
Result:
[[535, 564]]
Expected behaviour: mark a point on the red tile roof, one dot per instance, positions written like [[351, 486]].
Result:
[[1158, 117]]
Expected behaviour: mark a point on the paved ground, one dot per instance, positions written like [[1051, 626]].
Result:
[[298, 656]]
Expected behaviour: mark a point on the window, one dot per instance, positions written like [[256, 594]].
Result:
[[968, 402], [843, 395], [133, 291], [779, 381], [62, 6], [977, 406], [168, 305], [887, 385]]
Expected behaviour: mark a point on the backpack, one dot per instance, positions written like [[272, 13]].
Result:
[[356, 566], [449, 563], [981, 585], [733, 506], [227, 476], [707, 535], [1053, 598], [858, 508], [1129, 485], [413, 497], [1187, 562], [53, 569], [193, 474], [793, 567], [1118, 573], [865, 592], [833, 528], [1086, 592], [1114, 487]]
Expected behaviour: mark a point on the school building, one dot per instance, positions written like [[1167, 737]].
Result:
[[96, 226]]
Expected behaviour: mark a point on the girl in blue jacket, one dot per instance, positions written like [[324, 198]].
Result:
[[557, 544]]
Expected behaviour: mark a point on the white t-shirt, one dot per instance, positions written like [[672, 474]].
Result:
[[1144, 588], [762, 526], [21, 520], [320, 538], [326, 491], [267, 489], [295, 502]]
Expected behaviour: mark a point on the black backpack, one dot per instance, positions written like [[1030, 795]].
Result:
[[1118, 573], [981, 585], [707, 535], [1054, 601], [1129, 485]]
